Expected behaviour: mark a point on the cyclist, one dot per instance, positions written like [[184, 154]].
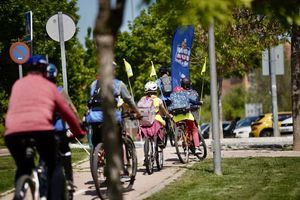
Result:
[[32, 103], [95, 113], [164, 83], [188, 116], [61, 130], [193, 98], [159, 110]]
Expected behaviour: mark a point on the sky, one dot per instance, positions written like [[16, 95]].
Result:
[[88, 11]]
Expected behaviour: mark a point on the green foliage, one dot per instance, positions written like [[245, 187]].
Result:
[[286, 11], [233, 103], [80, 65], [239, 42]]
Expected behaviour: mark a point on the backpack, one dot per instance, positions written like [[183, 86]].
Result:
[[96, 99], [147, 110], [180, 102], [166, 84], [193, 95]]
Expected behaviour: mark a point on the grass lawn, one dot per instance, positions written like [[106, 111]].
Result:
[[243, 178], [7, 168]]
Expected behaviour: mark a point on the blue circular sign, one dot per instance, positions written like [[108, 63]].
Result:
[[19, 52]]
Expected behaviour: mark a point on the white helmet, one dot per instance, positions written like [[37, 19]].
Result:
[[151, 86]]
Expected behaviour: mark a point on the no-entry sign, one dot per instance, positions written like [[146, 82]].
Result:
[[19, 52]]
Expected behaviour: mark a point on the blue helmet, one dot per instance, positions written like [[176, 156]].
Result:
[[51, 72], [36, 60]]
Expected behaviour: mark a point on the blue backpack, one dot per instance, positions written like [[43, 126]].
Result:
[[180, 102], [95, 100]]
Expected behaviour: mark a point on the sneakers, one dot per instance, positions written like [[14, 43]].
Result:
[[198, 150]]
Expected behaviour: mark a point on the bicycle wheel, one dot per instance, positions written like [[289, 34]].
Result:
[[180, 144], [91, 161], [171, 133], [166, 136], [201, 155], [130, 164], [98, 171], [25, 188], [159, 157], [149, 155]]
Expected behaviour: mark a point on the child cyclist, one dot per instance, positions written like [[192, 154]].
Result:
[[155, 126], [193, 101]]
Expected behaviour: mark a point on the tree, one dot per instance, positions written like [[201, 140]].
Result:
[[108, 22], [13, 29], [287, 12]]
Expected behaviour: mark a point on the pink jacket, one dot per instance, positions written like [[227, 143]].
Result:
[[31, 106]]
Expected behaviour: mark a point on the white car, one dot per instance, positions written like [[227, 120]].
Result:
[[243, 127], [242, 132], [286, 126]]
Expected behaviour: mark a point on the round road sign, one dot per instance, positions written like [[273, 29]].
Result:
[[19, 52], [52, 28]]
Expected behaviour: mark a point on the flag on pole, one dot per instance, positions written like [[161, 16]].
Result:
[[128, 68], [153, 72], [203, 67]]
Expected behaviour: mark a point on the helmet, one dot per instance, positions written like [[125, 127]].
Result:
[[51, 72], [37, 63], [163, 70], [37, 60], [186, 83], [151, 86]]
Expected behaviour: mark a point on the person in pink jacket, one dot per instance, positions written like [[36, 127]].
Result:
[[31, 108]]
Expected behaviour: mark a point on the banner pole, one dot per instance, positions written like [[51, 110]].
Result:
[[130, 88]]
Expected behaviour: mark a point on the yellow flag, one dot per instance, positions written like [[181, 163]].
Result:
[[203, 67], [128, 68], [153, 72]]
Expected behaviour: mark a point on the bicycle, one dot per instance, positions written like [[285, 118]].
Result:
[[152, 152], [184, 143], [29, 186], [99, 166], [35, 186], [169, 132]]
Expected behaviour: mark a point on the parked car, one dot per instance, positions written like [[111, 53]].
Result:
[[225, 125], [264, 126], [286, 126], [243, 127]]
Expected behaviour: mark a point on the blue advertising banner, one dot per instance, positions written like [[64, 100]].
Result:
[[180, 54]]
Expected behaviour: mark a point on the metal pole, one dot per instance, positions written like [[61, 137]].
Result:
[[62, 50], [274, 95], [132, 11], [20, 71], [214, 102]]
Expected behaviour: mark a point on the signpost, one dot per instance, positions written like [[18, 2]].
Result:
[[19, 53], [28, 29], [273, 64], [61, 28]]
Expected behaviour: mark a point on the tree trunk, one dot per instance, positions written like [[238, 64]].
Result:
[[295, 73], [107, 24]]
